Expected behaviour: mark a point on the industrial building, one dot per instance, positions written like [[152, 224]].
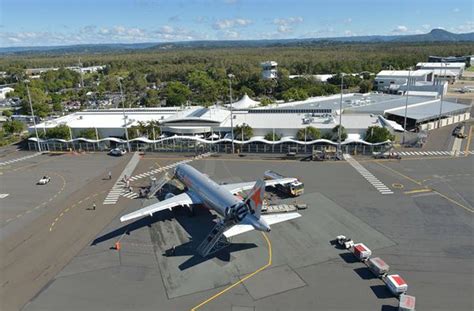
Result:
[[451, 59], [421, 82], [444, 71], [213, 125]]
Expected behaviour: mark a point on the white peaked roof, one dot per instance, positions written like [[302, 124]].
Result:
[[245, 102]]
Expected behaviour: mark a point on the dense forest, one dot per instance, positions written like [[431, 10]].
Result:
[[172, 77]]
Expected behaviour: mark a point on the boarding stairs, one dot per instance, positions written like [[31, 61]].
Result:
[[214, 241], [156, 185]]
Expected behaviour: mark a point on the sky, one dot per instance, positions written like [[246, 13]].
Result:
[[66, 22]]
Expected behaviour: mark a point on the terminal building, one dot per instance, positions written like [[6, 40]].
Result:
[[213, 125]]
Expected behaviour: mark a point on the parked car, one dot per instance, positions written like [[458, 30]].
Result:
[[117, 152], [44, 180]]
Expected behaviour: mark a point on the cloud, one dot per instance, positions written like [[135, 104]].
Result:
[[285, 25], [426, 26], [348, 33], [288, 21], [456, 10], [231, 23], [92, 34], [284, 29], [400, 29], [229, 35], [348, 20], [464, 28]]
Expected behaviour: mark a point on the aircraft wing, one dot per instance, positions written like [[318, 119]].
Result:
[[178, 200], [242, 186], [269, 219]]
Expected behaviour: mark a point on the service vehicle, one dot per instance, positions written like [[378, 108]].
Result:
[[44, 180], [117, 152], [458, 132], [344, 241], [295, 188], [386, 155]]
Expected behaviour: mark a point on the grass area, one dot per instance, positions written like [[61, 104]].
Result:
[[470, 69]]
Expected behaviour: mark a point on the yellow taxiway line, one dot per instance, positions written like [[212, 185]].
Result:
[[269, 263], [418, 191], [427, 189]]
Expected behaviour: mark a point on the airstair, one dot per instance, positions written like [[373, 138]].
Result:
[[214, 241], [156, 185]]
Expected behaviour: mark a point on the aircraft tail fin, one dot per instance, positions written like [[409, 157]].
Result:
[[255, 198]]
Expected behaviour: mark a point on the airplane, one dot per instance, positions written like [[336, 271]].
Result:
[[238, 215]]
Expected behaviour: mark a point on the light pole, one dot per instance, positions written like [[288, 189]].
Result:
[[124, 116], [33, 115], [231, 76], [441, 99], [339, 146], [406, 106]]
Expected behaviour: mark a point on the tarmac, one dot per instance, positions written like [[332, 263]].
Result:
[[423, 231]]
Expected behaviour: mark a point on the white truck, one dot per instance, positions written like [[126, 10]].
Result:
[[294, 189]]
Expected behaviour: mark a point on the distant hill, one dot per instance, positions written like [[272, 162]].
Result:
[[435, 35]]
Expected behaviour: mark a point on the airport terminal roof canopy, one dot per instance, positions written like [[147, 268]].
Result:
[[296, 121], [245, 102], [376, 103], [198, 114], [110, 118], [430, 111]]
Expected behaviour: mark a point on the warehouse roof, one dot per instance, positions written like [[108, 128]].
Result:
[[430, 110], [404, 73]]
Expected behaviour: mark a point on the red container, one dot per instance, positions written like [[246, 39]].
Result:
[[396, 284], [407, 303], [361, 251]]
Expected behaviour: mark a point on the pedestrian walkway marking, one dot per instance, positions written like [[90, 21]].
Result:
[[4, 195], [169, 166], [436, 153], [374, 181], [20, 159], [119, 186], [129, 195]]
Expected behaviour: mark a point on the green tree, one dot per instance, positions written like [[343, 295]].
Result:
[[176, 94], [57, 107], [243, 129], [335, 134], [204, 88], [365, 86], [270, 137], [310, 133], [88, 133], [61, 131], [7, 113], [265, 101], [294, 94], [13, 127], [377, 134], [151, 99]]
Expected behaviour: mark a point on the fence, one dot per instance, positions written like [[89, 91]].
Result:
[[183, 144]]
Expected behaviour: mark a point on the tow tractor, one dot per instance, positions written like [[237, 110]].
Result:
[[44, 180], [294, 189]]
